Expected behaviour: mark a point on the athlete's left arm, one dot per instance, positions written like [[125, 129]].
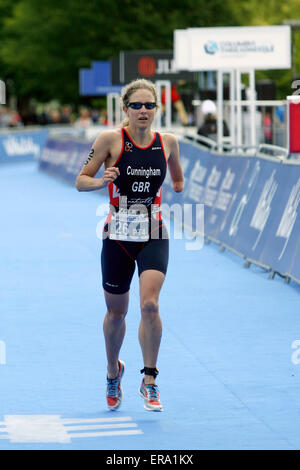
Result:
[[174, 164]]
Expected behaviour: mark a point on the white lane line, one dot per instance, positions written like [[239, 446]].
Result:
[[95, 420], [100, 426], [53, 428], [107, 433]]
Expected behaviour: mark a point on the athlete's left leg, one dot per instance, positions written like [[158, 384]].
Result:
[[150, 329]]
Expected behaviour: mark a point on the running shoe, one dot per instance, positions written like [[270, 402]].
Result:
[[150, 394], [114, 392]]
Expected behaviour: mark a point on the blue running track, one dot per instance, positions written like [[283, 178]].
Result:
[[229, 363]]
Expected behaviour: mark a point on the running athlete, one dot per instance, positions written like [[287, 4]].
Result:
[[135, 159]]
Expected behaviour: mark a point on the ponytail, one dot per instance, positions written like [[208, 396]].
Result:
[[125, 122]]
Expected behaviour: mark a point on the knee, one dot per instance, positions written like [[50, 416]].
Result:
[[149, 308], [115, 315]]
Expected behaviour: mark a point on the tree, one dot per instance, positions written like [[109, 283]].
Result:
[[45, 43], [272, 12]]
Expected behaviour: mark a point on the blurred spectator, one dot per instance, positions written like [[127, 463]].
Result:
[[280, 113], [95, 115], [84, 119], [268, 128], [103, 117], [42, 116], [29, 116], [16, 120], [5, 116], [209, 126], [66, 114], [177, 103], [9, 117], [55, 117]]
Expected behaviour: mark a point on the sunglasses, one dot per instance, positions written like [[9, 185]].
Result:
[[138, 105]]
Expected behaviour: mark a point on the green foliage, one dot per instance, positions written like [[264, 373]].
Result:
[[44, 43], [271, 12]]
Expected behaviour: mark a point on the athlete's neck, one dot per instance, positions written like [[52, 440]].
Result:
[[142, 137]]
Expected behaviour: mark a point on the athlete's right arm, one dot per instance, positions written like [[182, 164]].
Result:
[[99, 152]]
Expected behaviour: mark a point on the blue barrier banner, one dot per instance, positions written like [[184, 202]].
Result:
[[295, 266], [250, 204], [213, 180], [281, 235], [254, 207], [65, 158], [224, 182], [231, 225], [19, 146], [196, 167]]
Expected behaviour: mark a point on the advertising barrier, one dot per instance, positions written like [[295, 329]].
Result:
[[22, 145], [64, 158], [251, 204]]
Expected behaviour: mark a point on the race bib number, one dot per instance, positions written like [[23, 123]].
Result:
[[129, 225]]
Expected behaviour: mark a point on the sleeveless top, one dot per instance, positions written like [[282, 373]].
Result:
[[135, 195]]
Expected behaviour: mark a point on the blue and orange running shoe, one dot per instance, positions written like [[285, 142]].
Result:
[[150, 393], [114, 392]]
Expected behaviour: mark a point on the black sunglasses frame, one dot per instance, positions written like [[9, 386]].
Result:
[[138, 105]]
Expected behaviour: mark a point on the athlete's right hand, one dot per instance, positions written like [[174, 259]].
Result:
[[110, 174]]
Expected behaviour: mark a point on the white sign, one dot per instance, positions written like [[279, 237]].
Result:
[[256, 47]]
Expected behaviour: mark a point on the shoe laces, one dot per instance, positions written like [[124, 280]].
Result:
[[112, 386], [152, 390]]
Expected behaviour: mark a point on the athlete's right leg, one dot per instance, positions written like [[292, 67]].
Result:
[[118, 267], [114, 329]]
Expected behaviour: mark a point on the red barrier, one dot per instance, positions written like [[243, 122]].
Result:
[[294, 123]]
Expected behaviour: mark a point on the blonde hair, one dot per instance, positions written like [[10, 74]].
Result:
[[132, 87]]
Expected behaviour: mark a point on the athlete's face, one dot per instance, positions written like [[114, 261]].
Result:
[[141, 117]]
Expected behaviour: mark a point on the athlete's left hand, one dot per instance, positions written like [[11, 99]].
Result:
[[178, 186]]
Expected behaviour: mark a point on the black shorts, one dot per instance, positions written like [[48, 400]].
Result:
[[118, 260]]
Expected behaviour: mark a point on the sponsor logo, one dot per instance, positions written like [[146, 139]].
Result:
[[147, 66], [112, 285], [211, 47], [20, 146], [237, 47], [128, 147]]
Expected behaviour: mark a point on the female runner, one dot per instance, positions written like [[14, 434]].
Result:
[[135, 158]]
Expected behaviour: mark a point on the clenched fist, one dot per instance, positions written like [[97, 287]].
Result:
[[110, 174]]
